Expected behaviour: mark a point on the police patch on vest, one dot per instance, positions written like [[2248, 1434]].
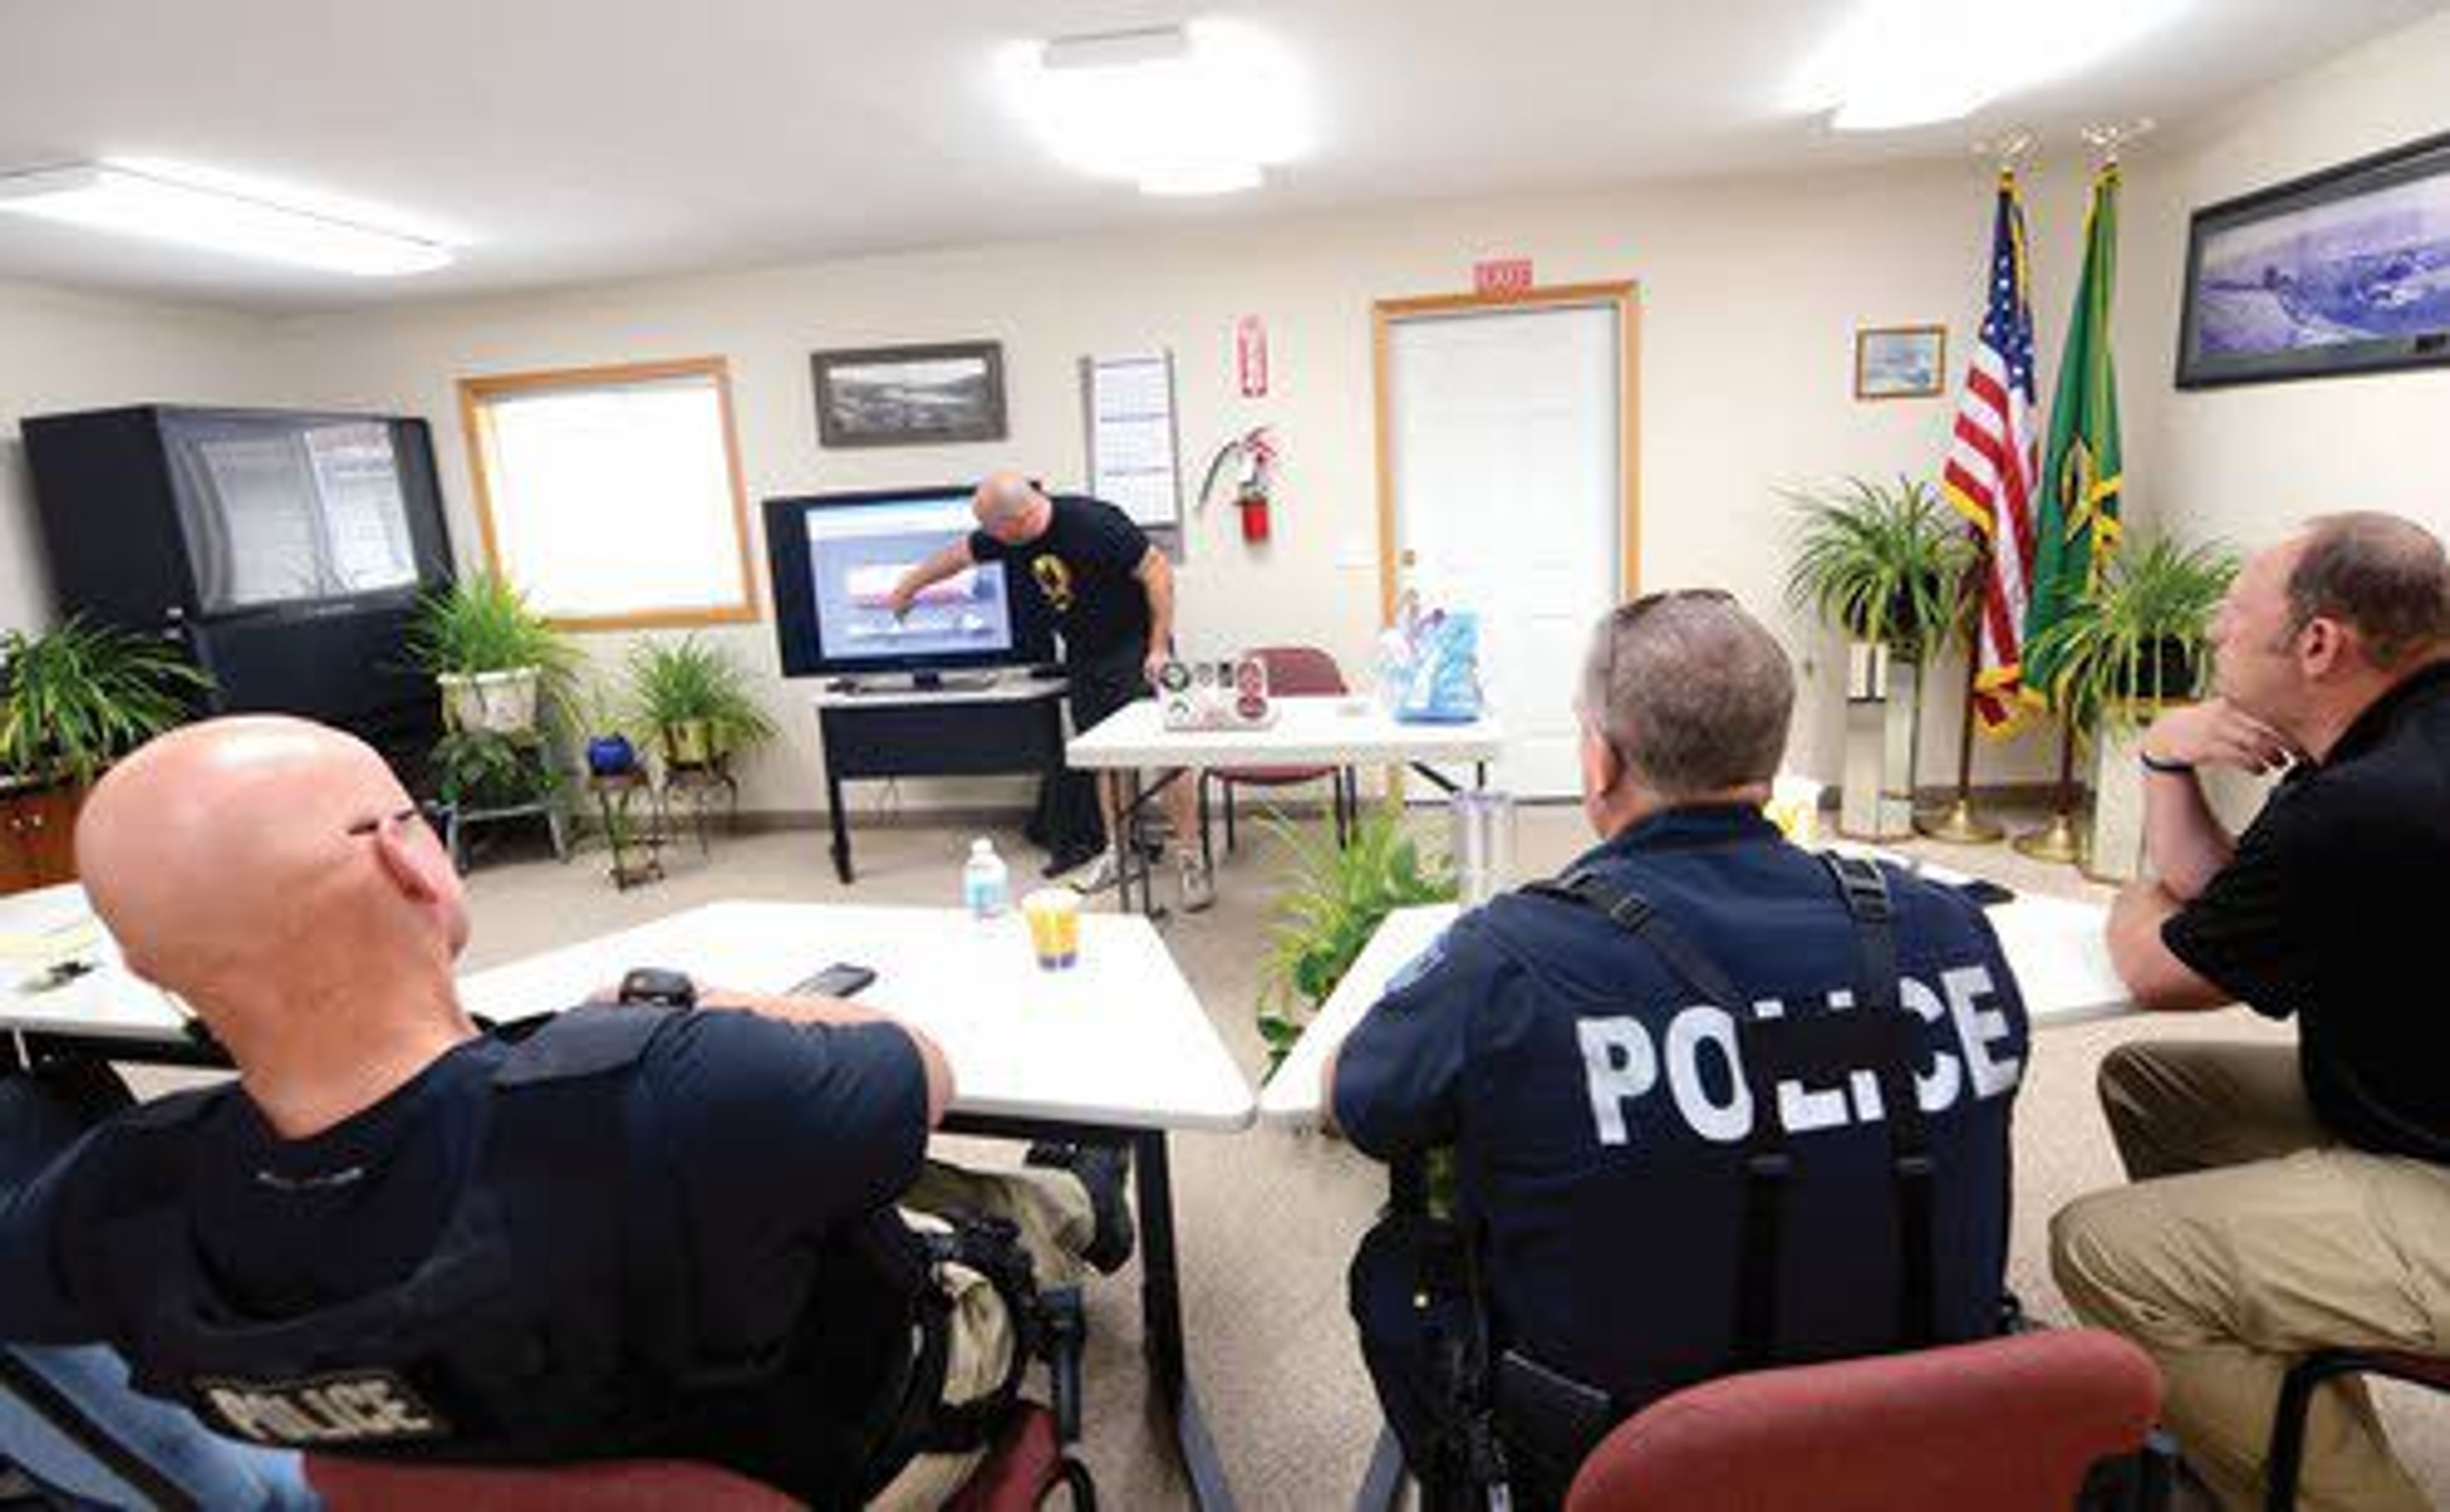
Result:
[[345, 1407]]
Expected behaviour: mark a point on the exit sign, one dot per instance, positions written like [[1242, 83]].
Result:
[[1501, 276]]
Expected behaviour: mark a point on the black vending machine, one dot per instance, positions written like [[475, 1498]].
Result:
[[285, 551]]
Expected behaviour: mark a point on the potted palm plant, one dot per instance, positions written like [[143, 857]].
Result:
[[72, 700], [2132, 646], [696, 700], [76, 698], [495, 659], [1884, 564]]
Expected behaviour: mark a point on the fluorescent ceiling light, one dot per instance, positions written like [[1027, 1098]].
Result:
[[1194, 109], [187, 210], [1908, 63]]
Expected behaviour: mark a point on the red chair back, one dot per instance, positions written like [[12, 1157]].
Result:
[[2006, 1424], [605, 1485], [1299, 669]]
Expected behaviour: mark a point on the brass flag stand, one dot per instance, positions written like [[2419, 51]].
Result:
[[2059, 840]]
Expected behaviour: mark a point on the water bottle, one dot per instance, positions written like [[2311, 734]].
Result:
[[985, 890]]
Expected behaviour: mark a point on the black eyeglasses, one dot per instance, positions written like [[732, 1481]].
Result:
[[430, 813]]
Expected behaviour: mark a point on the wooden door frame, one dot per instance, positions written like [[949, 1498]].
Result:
[[1624, 296]]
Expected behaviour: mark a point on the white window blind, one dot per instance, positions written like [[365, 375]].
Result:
[[611, 496]]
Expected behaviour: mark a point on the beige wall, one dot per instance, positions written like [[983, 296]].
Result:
[[2242, 464], [61, 351], [1751, 292]]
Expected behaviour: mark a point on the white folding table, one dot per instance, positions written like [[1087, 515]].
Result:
[[1308, 731], [1116, 1051]]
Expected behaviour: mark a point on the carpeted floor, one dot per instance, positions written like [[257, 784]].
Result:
[[1268, 1219]]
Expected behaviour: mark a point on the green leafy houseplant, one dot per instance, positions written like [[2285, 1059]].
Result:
[[483, 624], [1328, 909], [76, 698], [478, 769], [2136, 638], [493, 654], [1881, 562], [697, 699]]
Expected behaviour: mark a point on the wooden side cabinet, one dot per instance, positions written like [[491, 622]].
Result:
[[37, 835]]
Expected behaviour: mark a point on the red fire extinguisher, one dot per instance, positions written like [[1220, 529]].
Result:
[[1249, 461]]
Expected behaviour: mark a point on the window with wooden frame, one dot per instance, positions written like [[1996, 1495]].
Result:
[[611, 496]]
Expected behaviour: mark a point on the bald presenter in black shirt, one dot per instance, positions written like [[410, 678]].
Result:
[[1111, 594]]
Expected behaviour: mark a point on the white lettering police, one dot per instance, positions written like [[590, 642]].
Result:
[[359, 1407], [1621, 1065]]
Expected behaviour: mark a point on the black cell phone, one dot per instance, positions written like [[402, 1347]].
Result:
[[841, 979], [1987, 893]]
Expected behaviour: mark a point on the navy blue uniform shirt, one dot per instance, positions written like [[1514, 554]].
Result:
[[1599, 1114], [772, 1135]]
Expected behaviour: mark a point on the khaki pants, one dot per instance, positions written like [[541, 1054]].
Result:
[[1051, 1210], [2249, 1239]]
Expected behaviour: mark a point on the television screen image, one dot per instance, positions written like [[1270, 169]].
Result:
[[836, 559]]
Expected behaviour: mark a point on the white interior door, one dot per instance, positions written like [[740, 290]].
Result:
[[1504, 452]]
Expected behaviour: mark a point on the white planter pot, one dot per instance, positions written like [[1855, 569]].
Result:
[[503, 702], [2114, 845], [1883, 706]]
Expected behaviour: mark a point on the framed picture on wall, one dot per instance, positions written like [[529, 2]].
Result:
[[1900, 362], [2342, 271], [910, 396]]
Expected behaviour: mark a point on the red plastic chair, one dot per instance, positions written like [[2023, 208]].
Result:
[[1027, 1463], [1296, 670], [2008, 1425]]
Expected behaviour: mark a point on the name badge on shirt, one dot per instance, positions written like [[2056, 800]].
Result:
[[345, 1407]]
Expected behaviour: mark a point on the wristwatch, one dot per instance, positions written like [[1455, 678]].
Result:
[[654, 987]]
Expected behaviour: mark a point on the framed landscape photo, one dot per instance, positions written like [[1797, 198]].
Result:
[[2345, 271], [1900, 362], [910, 396]]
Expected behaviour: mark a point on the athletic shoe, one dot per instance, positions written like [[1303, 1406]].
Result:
[[1198, 888], [1101, 1169], [1096, 875]]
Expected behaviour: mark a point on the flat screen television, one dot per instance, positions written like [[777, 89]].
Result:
[[835, 558]]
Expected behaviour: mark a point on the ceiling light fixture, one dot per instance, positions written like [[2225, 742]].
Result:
[[144, 203], [1909, 62], [1201, 108]]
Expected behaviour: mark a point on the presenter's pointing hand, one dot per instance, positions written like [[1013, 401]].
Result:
[[1153, 665], [904, 594], [2217, 733]]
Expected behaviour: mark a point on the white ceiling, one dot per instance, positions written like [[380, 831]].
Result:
[[572, 141]]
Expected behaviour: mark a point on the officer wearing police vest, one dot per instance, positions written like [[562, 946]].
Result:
[[640, 1230], [1715, 1102]]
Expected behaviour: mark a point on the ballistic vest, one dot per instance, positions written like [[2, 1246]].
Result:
[[551, 1319]]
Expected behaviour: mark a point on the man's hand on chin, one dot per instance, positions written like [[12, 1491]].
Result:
[[2217, 733]]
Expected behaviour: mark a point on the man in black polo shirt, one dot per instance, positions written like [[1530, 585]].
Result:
[[1111, 594], [2291, 1199]]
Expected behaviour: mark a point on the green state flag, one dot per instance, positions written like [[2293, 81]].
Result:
[[2077, 527]]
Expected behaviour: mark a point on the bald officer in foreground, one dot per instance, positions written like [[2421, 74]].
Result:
[[1713, 1105], [634, 1231]]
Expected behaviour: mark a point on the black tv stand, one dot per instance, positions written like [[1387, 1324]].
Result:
[[878, 730]]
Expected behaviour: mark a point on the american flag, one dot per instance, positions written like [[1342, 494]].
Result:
[[1994, 461]]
